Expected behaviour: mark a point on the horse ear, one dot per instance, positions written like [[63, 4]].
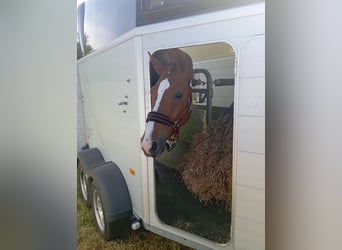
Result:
[[157, 65]]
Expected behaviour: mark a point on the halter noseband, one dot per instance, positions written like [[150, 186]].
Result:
[[158, 117]]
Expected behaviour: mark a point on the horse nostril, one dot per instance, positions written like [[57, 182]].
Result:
[[154, 147]]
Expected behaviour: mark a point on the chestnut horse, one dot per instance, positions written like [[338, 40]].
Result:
[[170, 99]]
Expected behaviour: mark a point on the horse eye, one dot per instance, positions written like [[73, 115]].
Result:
[[178, 95]]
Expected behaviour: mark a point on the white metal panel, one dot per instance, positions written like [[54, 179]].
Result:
[[249, 235], [252, 59], [250, 203], [251, 170], [207, 33], [252, 97], [219, 68], [255, 67], [252, 106], [112, 79], [91, 130], [81, 131], [252, 87], [251, 134]]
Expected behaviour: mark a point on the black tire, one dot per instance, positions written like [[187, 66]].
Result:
[[83, 187], [108, 229]]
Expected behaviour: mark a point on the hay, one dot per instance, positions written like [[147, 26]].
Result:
[[207, 167]]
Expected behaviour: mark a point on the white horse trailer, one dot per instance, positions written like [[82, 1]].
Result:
[[120, 182]]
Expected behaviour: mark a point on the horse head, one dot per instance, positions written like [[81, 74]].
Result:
[[170, 99]]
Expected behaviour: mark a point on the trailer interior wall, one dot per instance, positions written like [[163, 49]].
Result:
[[221, 68]]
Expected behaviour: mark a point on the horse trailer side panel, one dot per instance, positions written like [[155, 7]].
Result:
[[250, 203], [251, 170], [251, 134], [250, 191], [252, 97], [249, 235], [91, 129], [220, 69], [116, 94], [81, 131], [115, 82], [236, 29]]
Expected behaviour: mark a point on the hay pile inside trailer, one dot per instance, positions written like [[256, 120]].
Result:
[[207, 167]]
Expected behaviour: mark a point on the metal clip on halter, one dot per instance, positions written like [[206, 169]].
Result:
[[170, 144]]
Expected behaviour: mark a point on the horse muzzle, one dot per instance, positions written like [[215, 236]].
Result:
[[154, 148]]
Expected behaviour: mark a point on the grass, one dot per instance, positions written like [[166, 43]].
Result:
[[89, 239]]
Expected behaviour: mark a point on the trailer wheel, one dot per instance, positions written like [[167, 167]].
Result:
[[87, 160], [108, 229], [83, 188]]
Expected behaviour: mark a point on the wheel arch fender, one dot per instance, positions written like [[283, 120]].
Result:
[[89, 159], [111, 185]]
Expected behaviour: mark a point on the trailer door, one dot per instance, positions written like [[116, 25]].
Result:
[[116, 97]]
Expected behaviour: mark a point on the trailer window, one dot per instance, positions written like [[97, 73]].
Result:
[[194, 180], [153, 11]]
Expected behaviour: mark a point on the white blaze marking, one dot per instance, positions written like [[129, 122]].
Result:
[[147, 141], [163, 86]]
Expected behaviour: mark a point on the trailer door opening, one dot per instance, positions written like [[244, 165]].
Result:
[[193, 182]]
